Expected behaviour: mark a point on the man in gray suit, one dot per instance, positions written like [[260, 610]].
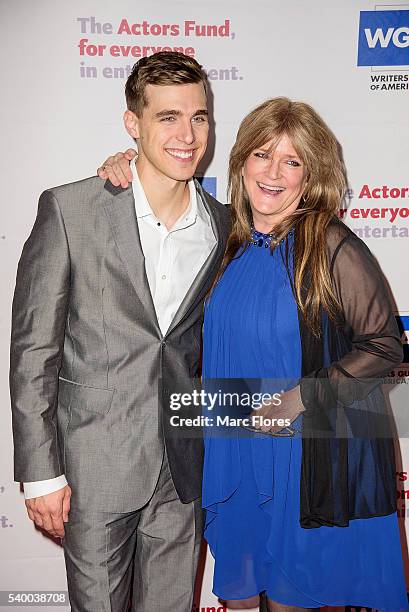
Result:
[[107, 316]]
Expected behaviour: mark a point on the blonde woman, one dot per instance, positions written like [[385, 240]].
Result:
[[305, 513]]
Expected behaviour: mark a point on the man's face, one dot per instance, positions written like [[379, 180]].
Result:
[[172, 131]]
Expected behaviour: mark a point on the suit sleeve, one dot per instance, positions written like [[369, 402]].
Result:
[[38, 323]]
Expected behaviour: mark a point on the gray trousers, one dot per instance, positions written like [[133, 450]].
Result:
[[151, 552]]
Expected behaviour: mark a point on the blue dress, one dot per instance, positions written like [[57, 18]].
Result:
[[251, 482]]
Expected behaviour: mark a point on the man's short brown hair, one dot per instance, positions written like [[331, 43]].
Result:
[[163, 68]]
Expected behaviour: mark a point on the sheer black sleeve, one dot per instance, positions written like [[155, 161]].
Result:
[[348, 466], [367, 325]]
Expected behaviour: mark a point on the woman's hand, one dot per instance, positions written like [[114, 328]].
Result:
[[265, 418], [116, 168]]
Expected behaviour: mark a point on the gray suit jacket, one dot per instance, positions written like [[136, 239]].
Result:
[[90, 369]]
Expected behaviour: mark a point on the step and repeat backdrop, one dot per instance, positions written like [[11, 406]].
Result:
[[64, 65]]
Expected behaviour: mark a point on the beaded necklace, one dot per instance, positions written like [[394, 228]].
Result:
[[265, 240]]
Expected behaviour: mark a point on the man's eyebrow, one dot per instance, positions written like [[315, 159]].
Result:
[[166, 113], [177, 113]]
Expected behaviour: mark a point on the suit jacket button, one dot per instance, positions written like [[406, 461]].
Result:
[[163, 343]]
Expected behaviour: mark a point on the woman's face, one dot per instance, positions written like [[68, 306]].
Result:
[[274, 180]]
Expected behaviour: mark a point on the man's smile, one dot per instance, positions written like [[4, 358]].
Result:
[[181, 153]]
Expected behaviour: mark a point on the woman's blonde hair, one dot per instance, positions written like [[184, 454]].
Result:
[[320, 153]]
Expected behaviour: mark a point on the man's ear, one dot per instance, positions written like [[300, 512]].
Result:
[[131, 124]]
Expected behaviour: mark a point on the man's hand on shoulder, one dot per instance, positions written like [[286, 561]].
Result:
[[116, 168], [50, 511]]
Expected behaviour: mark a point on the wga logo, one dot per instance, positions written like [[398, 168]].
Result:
[[403, 324], [383, 38]]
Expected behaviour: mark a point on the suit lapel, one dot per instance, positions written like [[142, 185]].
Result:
[[120, 210], [201, 283]]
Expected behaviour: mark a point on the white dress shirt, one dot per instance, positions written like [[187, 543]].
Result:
[[173, 259]]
